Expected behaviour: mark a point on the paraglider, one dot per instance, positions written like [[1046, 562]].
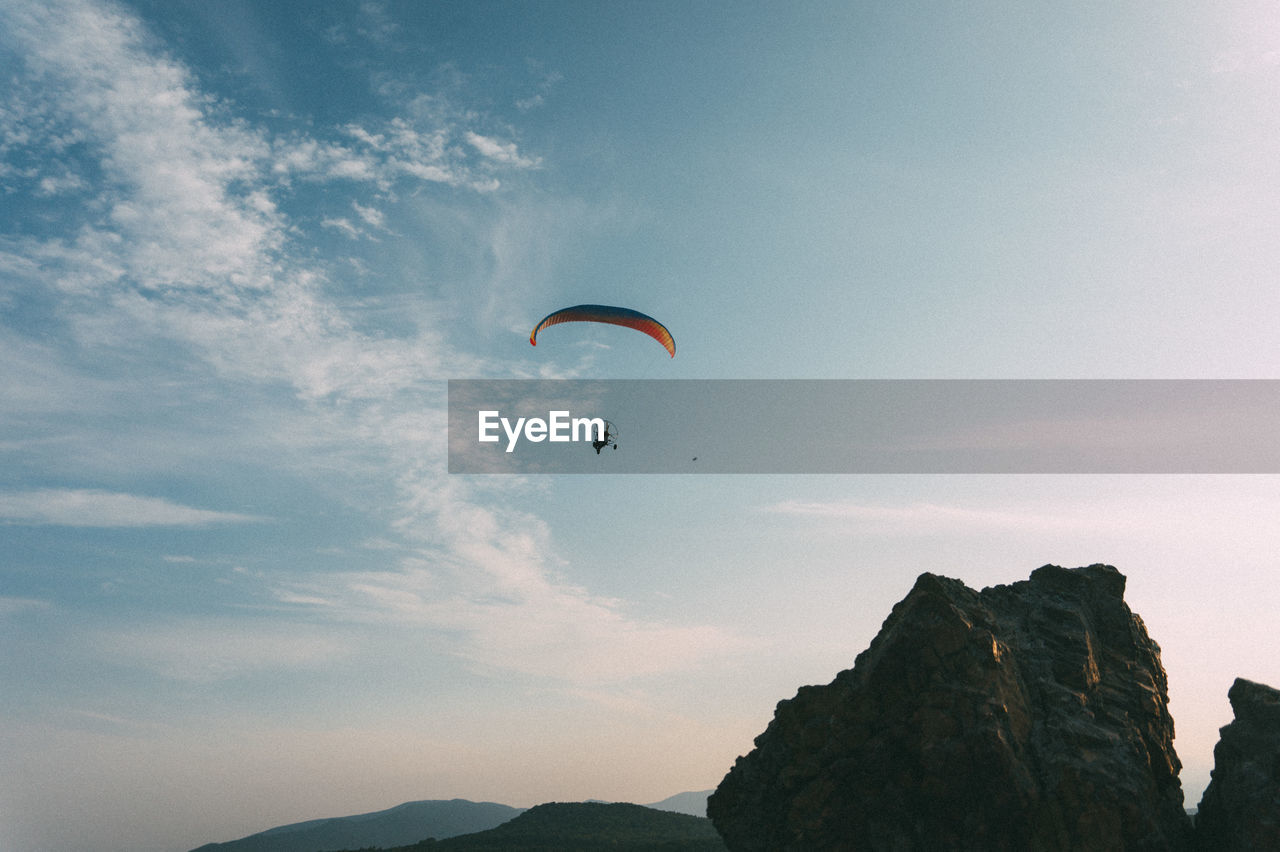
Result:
[[608, 439], [608, 314]]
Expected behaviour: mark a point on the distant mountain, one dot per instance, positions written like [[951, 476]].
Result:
[[403, 824], [587, 827], [685, 803]]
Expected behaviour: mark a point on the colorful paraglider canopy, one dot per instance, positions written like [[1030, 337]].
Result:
[[608, 314]]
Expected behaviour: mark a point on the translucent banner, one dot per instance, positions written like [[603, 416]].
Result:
[[864, 426]]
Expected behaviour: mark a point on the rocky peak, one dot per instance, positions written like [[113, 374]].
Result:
[[1240, 809], [1031, 716]]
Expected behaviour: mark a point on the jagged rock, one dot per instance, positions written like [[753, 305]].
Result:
[[1024, 717], [1240, 809]]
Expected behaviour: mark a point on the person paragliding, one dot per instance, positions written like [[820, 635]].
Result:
[[608, 439], [614, 316]]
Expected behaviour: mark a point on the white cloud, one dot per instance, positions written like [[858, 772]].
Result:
[[416, 147], [174, 220], [371, 215], [502, 152], [343, 225], [88, 508], [187, 196], [61, 184], [194, 250]]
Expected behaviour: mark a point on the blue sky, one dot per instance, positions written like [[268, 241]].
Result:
[[244, 245]]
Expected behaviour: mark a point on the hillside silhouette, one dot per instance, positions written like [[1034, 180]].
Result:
[[406, 823], [586, 827]]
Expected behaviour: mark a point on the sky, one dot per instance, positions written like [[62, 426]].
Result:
[[244, 246]]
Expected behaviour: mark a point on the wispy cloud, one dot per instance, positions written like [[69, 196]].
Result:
[[501, 152], [490, 592], [372, 216], [343, 225], [188, 197], [375, 24], [933, 518], [546, 82], [206, 650], [88, 508], [11, 605], [192, 247], [399, 149], [537, 627], [369, 217], [182, 207], [193, 252]]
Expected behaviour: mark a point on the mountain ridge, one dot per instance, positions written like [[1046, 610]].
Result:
[[405, 823], [409, 823], [585, 827]]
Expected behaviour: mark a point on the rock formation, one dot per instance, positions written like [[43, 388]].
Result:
[[1024, 717], [1240, 809]]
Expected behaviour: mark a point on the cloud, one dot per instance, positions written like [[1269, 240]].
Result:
[[188, 195], [371, 215], [933, 518], [529, 624], [343, 225], [414, 147], [207, 650], [193, 254], [501, 152], [65, 183], [88, 508], [174, 217], [547, 81], [11, 605], [489, 590], [375, 24]]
